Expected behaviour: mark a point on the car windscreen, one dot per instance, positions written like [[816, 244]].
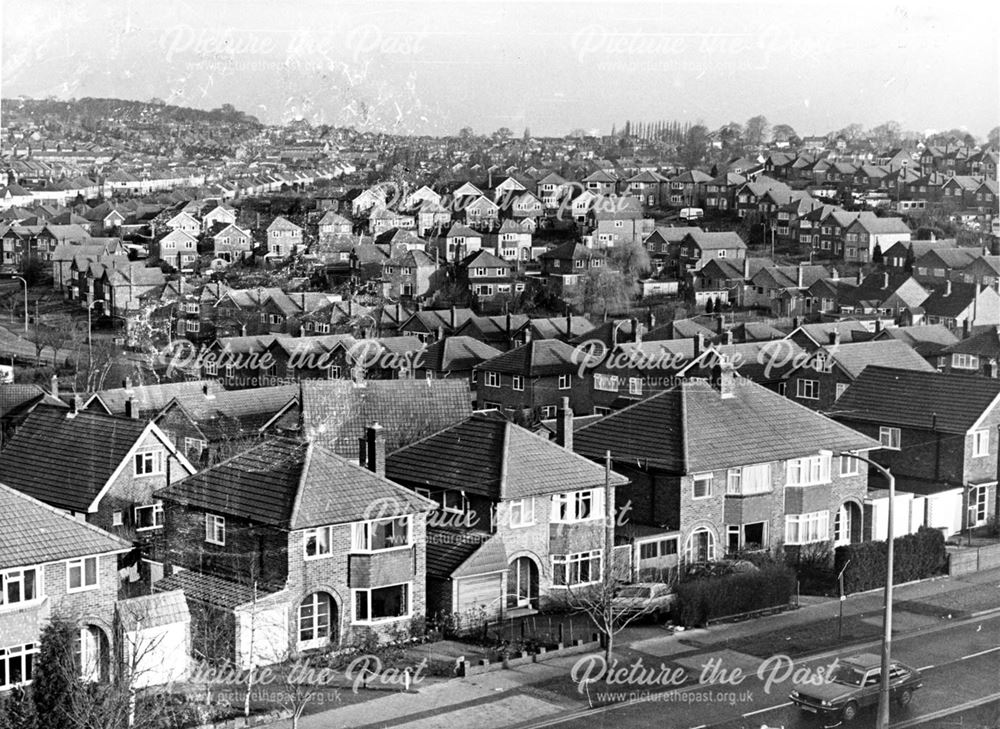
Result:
[[849, 675]]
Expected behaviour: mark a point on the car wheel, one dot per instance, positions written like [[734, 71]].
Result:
[[850, 711], [904, 697]]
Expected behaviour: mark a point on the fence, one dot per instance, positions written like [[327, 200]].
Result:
[[537, 629], [973, 559]]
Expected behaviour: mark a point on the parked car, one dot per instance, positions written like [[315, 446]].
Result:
[[655, 599], [855, 684]]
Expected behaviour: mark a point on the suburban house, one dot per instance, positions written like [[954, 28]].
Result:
[[232, 244], [867, 232], [455, 357], [939, 437], [219, 217], [410, 274], [98, 468], [699, 247], [333, 225], [146, 401], [701, 466], [184, 222], [962, 306], [288, 547], [618, 222], [284, 238], [883, 294], [514, 241], [177, 248], [482, 213], [486, 275], [822, 377], [71, 575], [532, 379], [980, 353], [534, 516], [460, 241]]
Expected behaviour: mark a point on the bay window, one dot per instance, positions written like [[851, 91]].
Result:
[[807, 528], [380, 534], [382, 603], [748, 480], [809, 470], [582, 568]]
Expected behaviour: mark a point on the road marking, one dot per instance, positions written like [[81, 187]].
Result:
[[925, 668], [770, 708], [980, 653], [700, 726]]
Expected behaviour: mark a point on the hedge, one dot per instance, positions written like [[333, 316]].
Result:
[[916, 557], [706, 598]]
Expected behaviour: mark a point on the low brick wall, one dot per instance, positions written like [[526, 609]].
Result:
[[467, 668], [973, 559]]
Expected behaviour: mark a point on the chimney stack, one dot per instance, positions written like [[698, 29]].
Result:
[[131, 410], [699, 343], [375, 449], [726, 378], [834, 276], [729, 336], [452, 319], [127, 384], [746, 268], [798, 276], [440, 333], [885, 280], [54, 387], [569, 323], [720, 323], [835, 338], [947, 287], [564, 425], [74, 406]]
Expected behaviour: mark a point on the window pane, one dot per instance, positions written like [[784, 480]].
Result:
[[74, 576], [91, 568], [29, 584]]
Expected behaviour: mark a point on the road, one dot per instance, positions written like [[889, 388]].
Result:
[[960, 664]]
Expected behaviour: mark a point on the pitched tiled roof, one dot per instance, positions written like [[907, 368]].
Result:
[[493, 457], [33, 533], [16, 395], [293, 485], [490, 557], [335, 413], [159, 609], [952, 402], [854, 357], [690, 428], [455, 353], [984, 344], [65, 461], [150, 398], [535, 359], [206, 588], [950, 300], [926, 339]]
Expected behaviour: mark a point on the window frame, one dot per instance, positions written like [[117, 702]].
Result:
[[517, 383], [315, 533], [804, 468], [697, 478], [573, 562], [158, 462], [81, 564], [7, 577], [812, 521], [214, 525], [361, 535], [891, 434], [567, 506], [369, 620], [565, 382], [803, 387], [157, 508], [525, 508], [980, 443]]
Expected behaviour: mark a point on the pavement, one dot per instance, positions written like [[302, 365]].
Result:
[[532, 693]]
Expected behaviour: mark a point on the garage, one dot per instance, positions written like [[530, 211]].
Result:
[[479, 592]]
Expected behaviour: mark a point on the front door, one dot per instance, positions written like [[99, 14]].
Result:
[[522, 585]]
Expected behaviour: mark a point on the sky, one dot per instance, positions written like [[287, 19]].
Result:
[[435, 67]]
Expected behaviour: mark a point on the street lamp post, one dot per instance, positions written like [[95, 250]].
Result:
[[25, 282], [882, 721]]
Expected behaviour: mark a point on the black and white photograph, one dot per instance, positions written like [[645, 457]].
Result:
[[500, 364]]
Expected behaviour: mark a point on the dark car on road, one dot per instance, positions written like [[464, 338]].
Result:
[[855, 684]]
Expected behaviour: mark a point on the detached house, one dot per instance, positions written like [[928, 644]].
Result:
[[290, 548], [221, 216], [939, 438], [701, 465], [519, 519], [186, 223], [962, 306], [232, 244], [866, 232], [486, 275], [177, 248], [699, 247], [284, 238], [454, 357], [409, 275]]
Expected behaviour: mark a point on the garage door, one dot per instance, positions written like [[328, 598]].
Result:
[[476, 593], [269, 631]]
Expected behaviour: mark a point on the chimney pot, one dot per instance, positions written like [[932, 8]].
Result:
[[131, 410]]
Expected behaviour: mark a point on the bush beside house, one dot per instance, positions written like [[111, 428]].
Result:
[[916, 557]]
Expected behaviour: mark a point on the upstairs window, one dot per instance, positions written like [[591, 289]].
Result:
[[149, 462]]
